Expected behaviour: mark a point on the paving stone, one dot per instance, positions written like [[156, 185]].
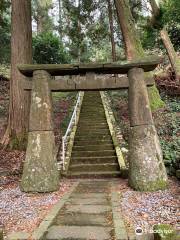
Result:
[[78, 233], [18, 236], [81, 219], [90, 190], [94, 209], [89, 195], [88, 201]]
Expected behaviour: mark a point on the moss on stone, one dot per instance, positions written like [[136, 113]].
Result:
[[18, 142], [155, 99], [164, 232], [150, 186]]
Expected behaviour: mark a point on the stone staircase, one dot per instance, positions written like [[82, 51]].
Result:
[[93, 152]]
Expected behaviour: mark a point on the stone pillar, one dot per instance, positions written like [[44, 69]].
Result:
[[40, 173], [146, 171]]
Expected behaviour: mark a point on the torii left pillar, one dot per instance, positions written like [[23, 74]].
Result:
[[40, 173]]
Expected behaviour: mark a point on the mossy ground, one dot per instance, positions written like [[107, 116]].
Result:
[[164, 232]]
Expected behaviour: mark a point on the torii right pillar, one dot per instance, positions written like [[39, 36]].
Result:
[[146, 167]]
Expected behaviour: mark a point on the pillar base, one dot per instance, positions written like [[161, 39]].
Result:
[[40, 173], [146, 167]]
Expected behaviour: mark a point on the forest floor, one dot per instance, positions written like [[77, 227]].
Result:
[[23, 212]]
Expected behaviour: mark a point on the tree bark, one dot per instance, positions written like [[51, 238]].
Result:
[[173, 58], [111, 26], [133, 46], [146, 168], [21, 52]]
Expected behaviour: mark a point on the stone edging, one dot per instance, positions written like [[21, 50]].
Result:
[[71, 138], [113, 130], [119, 226], [40, 232]]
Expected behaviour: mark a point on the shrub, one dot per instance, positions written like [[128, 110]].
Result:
[[48, 49]]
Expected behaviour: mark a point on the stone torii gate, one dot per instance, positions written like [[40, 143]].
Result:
[[146, 171]]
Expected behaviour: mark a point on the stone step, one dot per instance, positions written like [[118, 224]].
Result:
[[82, 219], [94, 153], [102, 167], [93, 118], [93, 174], [96, 107], [93, 137], [91, 127], [92, 114], [78, 233], [90, 124], [102, 121], [92, 108], [93, 147], [92, 142], [94, 160], [93, 132]]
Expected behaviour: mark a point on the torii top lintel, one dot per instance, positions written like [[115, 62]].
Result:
[[147, 64]]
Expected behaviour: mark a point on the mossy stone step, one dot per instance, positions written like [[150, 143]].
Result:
[[92, 137], [92, 108], [94, 153], [94, 167], [93, 131], [94, 147], [97, 118], [94, 160], [93, 117], [91, 127], [81, 219], [90, 124], [92, 142], [93, 114], [78, 233], [94, 174]]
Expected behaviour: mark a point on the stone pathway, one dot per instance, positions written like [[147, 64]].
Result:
[[87, 214]]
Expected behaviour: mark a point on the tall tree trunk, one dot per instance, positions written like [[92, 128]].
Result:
[[40, 20], [21, 52], [173, 57], [155, 7], [146, 167], [133, 46], [79, 31], [60, 18], [111, 26]]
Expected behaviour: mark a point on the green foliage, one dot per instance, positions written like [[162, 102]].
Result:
[[149, 37], [171, 19], [169, 135], [47, 49], [40, 13], [4, 32], [86, 26]]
